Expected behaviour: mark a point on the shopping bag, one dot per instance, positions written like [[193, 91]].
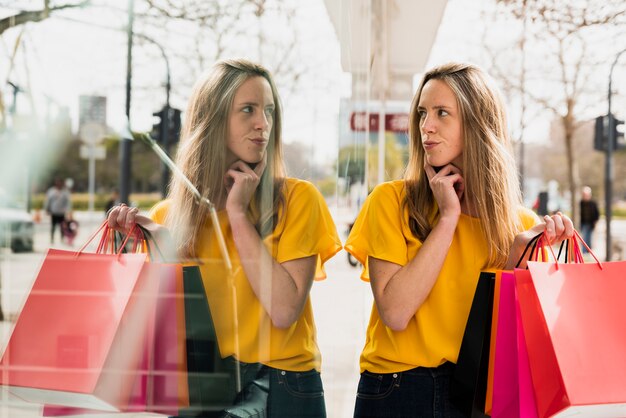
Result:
[[78, 338], [162, 385], [505, 377], [210, 378], [492, 343], [572, 315], [469, 382], [527, 403], [213, 379]]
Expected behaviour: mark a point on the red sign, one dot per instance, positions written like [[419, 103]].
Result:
[[394, 122]]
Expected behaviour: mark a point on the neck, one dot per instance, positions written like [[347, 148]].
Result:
[[468, 208]]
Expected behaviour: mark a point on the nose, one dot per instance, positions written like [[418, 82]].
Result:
[[262, 121], [428, 124]]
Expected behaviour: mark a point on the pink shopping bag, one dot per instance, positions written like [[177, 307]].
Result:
[[527, 402], [505, 378]]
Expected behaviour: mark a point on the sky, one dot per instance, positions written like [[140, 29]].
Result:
[[62, 58]]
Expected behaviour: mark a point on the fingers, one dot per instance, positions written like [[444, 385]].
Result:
[[240, 172], [122, 218], [430, 171], [558, 227]]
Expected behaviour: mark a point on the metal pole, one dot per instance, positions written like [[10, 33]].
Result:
[[608, 175], [165, 123], [125, 145]]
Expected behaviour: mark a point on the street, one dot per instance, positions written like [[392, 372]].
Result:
[[341, 305]]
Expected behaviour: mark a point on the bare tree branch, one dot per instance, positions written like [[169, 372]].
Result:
[[35, 15]]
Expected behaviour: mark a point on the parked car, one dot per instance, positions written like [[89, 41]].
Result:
[[17, 229]]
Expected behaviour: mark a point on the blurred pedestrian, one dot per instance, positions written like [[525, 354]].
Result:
[[114, 199], [58, 204], [589, 215], [278, 228], [425, 239]]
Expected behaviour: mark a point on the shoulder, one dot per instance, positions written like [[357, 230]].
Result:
[[159, 211], [390, 191], [294, 188], [527, 217]]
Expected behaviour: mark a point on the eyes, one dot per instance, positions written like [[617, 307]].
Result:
[[269, 110], [440, 112]]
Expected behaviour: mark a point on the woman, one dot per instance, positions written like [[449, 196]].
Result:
[[426, 238], [278, 231]]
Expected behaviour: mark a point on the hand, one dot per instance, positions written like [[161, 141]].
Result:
[[122, 218], [448, 187], [241, 182], [558, 227]]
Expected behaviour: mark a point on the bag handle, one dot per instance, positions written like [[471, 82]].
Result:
[[149, 241], [573, 251], [578, 251], [538, 243], [532, 256], [108, 239]]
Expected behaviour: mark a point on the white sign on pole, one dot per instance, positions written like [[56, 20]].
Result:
[[93, 151]]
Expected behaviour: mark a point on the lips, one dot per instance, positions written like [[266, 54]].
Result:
[[428, 145], [259, 141]]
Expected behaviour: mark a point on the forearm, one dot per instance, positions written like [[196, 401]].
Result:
[[409, 287], [273, 285]]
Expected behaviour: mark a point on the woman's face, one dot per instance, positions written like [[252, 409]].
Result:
[[440, 125], [250, 121]]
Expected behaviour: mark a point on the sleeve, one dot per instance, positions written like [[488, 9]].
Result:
[[596, 213], [309, 229], [528, 218], [159, 211], [377, 231]]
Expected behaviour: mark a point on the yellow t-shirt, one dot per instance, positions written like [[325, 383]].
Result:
[[433, 336], [304, 228]]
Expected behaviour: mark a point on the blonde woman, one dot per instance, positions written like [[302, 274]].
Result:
[[425, 239], [278, 231]]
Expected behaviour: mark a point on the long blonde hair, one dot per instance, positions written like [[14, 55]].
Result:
[[202, 156], [489, 170]]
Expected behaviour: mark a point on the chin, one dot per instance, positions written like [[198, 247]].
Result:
[[252, 160]]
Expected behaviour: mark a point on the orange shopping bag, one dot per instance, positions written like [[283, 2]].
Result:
[[573, 320], [79, 337]]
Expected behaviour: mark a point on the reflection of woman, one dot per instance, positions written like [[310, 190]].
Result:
[[426, 238], [277, 229]]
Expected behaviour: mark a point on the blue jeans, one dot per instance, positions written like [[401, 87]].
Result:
[[420, 392], [296, 394], [586, 231], [290, 395]]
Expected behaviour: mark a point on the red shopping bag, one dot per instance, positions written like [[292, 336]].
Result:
[[572, 315], [79, 337]]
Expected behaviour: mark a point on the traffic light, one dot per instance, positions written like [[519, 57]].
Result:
[[166, 130], [174, 125], [157, 128], [601, 134], [618, 134]]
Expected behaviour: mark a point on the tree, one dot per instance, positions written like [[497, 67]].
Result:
[[567, 45], [22, 18], [265, 31], [26, 16]]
